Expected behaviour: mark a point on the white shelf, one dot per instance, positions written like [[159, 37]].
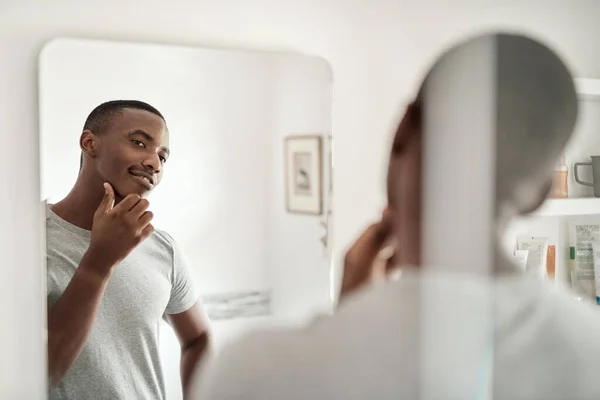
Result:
[[566, 207], [588, 88]]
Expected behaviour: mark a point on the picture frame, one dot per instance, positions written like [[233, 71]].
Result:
[[304, 174]]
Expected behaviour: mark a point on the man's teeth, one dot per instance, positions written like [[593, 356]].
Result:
[[144, 178]]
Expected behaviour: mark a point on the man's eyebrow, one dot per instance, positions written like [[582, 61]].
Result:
[[141, 132], [148, 137]]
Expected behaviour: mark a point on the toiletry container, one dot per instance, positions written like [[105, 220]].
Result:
[[560, 189]]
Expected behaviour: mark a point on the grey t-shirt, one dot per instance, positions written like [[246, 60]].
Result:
[[120, 359]]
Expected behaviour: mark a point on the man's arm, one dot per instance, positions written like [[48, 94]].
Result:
[[70, 319], [116, 231], [191, 328]]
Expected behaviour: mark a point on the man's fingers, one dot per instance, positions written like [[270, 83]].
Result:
[[147, 231], [146, 218], [140, 208], [370, 243], [127, 203], [108, 201], [361, 259], [391, 263]]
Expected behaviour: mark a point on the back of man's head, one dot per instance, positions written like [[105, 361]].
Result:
[[498, 110], [537, 111], [533, 102]]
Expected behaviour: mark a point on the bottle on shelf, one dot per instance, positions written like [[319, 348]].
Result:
[[560, 188]]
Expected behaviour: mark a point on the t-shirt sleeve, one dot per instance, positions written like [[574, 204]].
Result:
[[56, 281], [183, 290], [51, 285]]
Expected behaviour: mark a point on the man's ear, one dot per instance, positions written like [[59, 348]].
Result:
[[88, 142]]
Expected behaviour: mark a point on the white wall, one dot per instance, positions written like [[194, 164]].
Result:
[[378, 51], [299, 263], [222, 196]]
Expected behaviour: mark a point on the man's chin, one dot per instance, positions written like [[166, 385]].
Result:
[[123, 193]]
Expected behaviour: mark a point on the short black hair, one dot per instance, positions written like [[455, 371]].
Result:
[[100, 118]]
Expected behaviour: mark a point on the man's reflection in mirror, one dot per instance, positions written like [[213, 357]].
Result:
[[112, 276]]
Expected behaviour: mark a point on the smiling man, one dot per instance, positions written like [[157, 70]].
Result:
[[111, 276]]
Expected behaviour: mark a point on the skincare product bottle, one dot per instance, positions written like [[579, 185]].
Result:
[[596, 249], [560, 188], [551, 262], [572, 268], [572, 261], [520, 258], [537, 256], [581, 235]]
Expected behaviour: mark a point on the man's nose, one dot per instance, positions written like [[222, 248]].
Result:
[[153, 163]]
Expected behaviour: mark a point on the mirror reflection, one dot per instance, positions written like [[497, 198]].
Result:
[[188, 197]]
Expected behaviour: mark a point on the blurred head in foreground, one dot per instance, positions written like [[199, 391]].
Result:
[[478, 145]]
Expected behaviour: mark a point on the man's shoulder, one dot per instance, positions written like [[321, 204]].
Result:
[[163, 240], [302, 359], [383, 326], [160, 245], [547, 334], [364, 312], [162, 236]]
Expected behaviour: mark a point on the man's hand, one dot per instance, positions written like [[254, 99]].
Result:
[[361, 262], [117, 230]]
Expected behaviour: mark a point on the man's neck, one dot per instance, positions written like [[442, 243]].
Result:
[[79, 206]]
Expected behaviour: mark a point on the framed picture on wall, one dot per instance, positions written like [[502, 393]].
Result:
[[304, 174]]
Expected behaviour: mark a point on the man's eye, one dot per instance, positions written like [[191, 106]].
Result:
[[138, 143], [163, 159]]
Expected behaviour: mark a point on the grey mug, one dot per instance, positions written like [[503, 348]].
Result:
[[595, 164]]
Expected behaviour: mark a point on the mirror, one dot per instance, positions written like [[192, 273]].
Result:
[[245, 192]]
